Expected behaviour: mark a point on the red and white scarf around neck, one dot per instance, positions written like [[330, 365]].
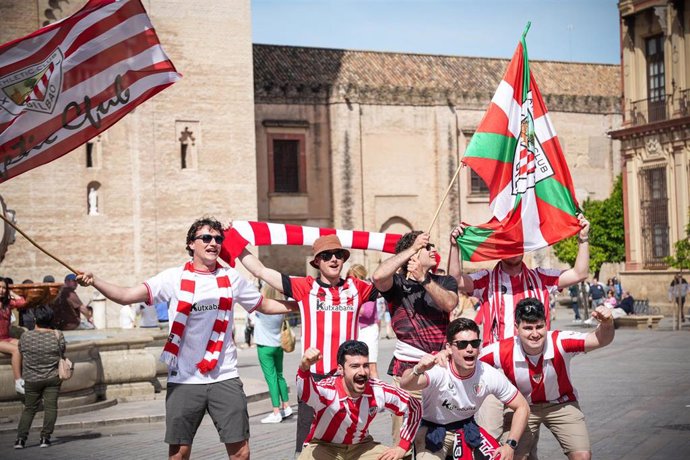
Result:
[[185, 299], [531, 287]]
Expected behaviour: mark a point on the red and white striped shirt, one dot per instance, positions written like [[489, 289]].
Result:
[[543, 378], [499, 293], [344, 420], [329, 314]]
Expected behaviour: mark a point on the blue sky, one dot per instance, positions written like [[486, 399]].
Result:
[[562, 30]]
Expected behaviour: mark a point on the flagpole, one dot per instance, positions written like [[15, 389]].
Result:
[[37, 245]]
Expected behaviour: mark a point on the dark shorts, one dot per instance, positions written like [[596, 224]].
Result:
[[186, 405]]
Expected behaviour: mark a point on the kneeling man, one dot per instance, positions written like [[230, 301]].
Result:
[[347, 403], [537, 361], [452, 393]]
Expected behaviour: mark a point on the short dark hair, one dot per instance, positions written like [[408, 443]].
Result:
[[529, 310], [352, 348], [43, 315], [406, 241], [200, 223], [458, 325]]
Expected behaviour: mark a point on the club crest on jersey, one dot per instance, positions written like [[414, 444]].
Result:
[[537, 378], [34, 88], [530, 163], [477, 387]]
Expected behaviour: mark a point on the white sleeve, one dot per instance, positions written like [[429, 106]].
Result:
[[162, 286], [244, 292], [499, 385]]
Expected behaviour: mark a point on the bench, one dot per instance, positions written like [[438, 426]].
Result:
[[638, 321]]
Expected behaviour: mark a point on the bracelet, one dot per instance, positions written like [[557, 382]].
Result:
[[426, 280], [582, 240], [415, 372]]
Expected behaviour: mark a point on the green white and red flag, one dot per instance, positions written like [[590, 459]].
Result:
[[516, 152]]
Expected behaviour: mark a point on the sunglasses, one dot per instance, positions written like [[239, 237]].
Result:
[[206, 239], [532, 309], [430, 246], [326, 255], [462, 344]]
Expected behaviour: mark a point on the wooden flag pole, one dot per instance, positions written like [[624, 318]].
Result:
[[37, 245], [443, 200]]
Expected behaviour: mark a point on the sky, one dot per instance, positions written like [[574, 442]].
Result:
[[562, 30]]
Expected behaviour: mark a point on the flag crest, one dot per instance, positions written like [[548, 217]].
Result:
[[516, 152], [69, 81]]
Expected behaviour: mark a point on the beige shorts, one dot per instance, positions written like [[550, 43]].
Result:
[[566, 421], [420, 445], [368, 449]]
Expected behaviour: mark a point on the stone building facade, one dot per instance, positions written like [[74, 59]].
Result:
[[375, 138], [655, 140], [146, 197]]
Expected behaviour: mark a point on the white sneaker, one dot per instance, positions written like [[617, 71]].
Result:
[[19, 386], [272, 418], [285, 412]]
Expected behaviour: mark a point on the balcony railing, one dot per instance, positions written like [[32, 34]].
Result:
[[648, 110]]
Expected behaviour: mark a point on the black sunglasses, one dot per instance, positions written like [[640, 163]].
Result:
[[326, 255], [206, 239], [462, 344]]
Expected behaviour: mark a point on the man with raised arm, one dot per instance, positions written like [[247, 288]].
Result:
[[329, 306], [420, 303], [347, 404], [537, 362], [200, 352], [453, 391]]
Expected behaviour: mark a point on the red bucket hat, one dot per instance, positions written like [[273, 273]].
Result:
[[327, 243]]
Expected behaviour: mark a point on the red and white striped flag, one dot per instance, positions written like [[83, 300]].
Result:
[[268, 234], [67, 82]]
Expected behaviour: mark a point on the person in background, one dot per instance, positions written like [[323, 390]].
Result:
[[368, 322], [267, 338], [67, 307], [9, 345], [26, 315], [611, 301], [41, 350], [127, 317], [162, 312], [149, 316], [574, 302], [249, 329], [597, 293], [627, 303], [677, 292]]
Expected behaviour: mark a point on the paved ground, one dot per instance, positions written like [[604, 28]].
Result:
[[635, 394]]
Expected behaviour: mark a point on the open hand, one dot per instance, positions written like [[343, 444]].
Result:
[[394, 453]]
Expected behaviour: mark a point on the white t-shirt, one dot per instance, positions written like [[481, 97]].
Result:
[[449, 398], [127, 317], [149, 316], [164, 286]]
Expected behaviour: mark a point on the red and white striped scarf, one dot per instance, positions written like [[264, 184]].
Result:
[[531, 286], [185, 299], [267, 234]]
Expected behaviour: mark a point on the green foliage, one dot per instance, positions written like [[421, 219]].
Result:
[[681, 257], [606, 234]]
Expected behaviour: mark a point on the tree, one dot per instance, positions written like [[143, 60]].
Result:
[[606, 234]]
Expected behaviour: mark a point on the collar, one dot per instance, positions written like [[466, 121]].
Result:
[[451, 365], [342, 393], [326, 285]]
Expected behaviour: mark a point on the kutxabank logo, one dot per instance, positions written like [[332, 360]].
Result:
[[35, 88], [530, 163]]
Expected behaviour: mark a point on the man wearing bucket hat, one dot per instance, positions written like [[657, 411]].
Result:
[[329, 306]]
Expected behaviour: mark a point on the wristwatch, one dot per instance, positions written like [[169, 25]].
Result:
[[512, 443], [426, 280]]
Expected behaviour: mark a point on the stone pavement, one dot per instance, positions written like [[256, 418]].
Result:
[[635, 395]]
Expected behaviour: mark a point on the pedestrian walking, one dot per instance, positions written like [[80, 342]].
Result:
[[267, 338]]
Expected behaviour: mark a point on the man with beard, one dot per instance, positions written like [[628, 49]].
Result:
[[329, 306], [453, 391], [537, 362], [346, 404]]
